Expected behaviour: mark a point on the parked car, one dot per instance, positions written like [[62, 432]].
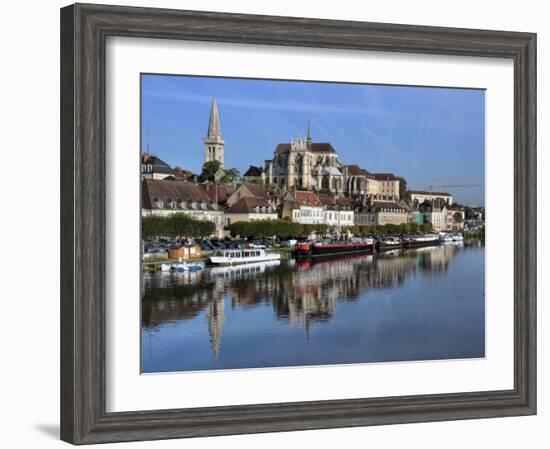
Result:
[[289, 243]]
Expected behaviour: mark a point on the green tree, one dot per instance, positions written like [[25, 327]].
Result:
[[231, 175], [209, 169]]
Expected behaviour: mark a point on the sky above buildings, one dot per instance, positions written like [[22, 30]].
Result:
[[430, 136]]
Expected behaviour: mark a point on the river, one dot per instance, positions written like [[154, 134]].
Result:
[[423, 304]]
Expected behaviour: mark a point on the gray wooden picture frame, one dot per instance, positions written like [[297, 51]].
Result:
[[84, 29]]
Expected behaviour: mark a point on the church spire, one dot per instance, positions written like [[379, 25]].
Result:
[[308, 138], [214, 129], [213, 142]]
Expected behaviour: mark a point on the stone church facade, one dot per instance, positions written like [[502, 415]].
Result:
[[305, 165]]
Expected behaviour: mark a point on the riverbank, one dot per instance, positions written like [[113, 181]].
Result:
[[155, 264]]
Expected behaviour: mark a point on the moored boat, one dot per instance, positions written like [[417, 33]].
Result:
[[242, 256], [421, 240], [324, 248], [389, 243]]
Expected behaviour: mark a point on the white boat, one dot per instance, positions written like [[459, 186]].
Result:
[[165, 267], [422, 240], [240, 256], [457, 237], [447, 238], [195, 266]]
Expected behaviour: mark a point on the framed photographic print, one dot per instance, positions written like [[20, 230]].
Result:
[[274, 223]]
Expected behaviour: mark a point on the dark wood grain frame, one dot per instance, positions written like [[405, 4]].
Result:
[[84, 29]]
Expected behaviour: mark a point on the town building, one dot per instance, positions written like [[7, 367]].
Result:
[[254, 174], [185, 252], [214, 142], [338, 213], [435, 213], [455, 218], [303, 207], [247, 190], [218, 193], [168, 197], [365, 187], [419, 196], [153, 167], [305, 165], [250, 209], [382, 213]]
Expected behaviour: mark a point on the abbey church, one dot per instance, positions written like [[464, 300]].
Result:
[[306, 165]]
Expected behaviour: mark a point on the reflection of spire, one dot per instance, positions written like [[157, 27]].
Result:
[[215, 314]]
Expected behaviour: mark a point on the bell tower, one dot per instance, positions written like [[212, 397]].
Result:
[[213, 142]]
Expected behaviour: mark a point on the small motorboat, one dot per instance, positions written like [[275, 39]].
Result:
[[195, 266]]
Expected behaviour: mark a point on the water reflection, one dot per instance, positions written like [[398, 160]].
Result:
[[299, 294]]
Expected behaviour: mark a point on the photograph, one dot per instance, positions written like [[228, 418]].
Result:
[[291, 223]]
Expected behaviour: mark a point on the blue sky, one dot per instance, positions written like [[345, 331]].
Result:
[[427, 135]]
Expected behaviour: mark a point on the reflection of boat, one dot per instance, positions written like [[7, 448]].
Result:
[[242, 256], [306, 263], [421, 240], [238, 271], [389, 243], [317, 249]]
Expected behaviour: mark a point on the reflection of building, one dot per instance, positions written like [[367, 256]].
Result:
[[213, 142], [302, 294], [215, 315], [305, 165]]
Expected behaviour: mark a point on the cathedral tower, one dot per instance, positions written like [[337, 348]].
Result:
[[213, 142]]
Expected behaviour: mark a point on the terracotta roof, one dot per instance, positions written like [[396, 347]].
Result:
[[248, 205], [307, 199], [256, 189], [315, 147], [179, 173], [162, 190], [333, 202], [219, 191], [422, 192]]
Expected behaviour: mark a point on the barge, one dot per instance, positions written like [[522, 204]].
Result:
[[320, 249]]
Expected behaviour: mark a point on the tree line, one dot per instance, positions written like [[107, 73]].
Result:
[[177, 226], [287, 229], [270, 228]]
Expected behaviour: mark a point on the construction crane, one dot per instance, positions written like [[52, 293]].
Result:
[[450, 185]]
